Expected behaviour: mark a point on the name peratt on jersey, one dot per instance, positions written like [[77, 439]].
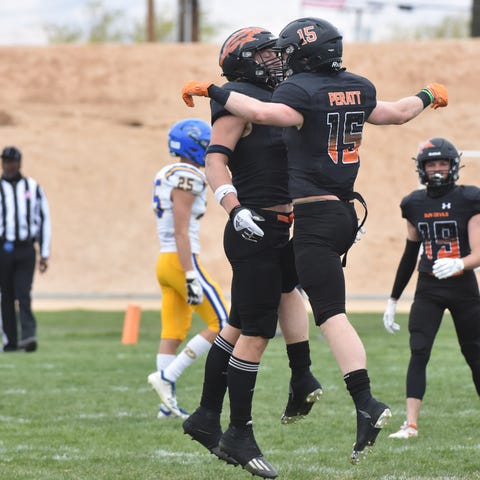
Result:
[[323, 155], [190, 179]]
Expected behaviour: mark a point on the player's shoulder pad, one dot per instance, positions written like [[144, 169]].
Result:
[[186, 177], [470, 192], [412, 196]]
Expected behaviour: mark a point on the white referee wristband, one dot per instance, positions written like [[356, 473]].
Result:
[[223, 190]]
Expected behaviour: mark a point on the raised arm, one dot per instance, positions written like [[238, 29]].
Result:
[[407, 108], [248, 108]]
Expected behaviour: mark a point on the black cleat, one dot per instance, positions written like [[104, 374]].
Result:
[[369, 424], [301, 399], [240, 444], [203, 426]]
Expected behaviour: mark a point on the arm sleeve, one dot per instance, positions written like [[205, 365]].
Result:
[[405, 268]]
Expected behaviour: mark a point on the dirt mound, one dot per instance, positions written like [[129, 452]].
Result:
[[92, 123]]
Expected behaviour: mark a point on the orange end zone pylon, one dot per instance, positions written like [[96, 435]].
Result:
[[131, 325]]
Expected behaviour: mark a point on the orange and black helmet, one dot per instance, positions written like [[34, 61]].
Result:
[[437, 149], [310, 44], [237, 57]]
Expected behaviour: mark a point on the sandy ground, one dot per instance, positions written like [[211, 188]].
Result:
[[92, 123]]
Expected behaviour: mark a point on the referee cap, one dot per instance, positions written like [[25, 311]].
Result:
[[11, 153]]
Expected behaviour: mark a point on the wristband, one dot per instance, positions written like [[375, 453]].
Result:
[[223, 190], [234, 211], [219, 149], [218, 94], [426, 96]]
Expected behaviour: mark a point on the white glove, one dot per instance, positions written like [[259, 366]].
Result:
[[361, 231], [194, 289], [446, 267], [389, 317], [243, 220]]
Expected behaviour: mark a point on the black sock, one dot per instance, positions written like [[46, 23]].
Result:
[[241, 379], [299, 359], [358, 384], [215, 377]]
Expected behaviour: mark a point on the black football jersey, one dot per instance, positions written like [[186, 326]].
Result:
[[323, 155], [259, 162], [442, 222]]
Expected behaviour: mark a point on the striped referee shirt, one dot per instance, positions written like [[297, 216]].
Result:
[[24, 213]]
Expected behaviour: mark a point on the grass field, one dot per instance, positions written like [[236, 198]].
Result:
[[80, 408]]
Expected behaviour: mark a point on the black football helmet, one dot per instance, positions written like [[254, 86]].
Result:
[[435, 149], [237, 57], [310, 44]]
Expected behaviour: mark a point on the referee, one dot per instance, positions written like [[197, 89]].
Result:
[[24, 220]]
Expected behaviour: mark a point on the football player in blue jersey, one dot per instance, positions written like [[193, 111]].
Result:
[[324, 108], [443, 218]]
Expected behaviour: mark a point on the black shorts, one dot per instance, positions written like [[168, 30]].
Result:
[[262, 271], [323, 231]]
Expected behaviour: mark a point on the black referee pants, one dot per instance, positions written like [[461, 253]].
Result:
[[16, 278]]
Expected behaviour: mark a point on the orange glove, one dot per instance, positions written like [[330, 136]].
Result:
[[439, 94], [199, 89]]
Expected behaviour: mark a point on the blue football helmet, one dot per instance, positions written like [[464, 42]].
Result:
[[189, 138]]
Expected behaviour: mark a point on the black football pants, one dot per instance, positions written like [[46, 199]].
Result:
[[432, 297]]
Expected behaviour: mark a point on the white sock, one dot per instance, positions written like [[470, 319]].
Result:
[[193, 350], [164, 360]]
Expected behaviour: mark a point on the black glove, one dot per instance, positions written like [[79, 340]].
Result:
[[243, 220]]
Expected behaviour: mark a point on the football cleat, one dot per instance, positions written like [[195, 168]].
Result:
[[369, 424], [240, 444], [301, 399], [407, 430], [166, 391], [165, 414], [204, 427]]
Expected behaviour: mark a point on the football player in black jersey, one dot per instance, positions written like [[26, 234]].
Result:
[[444, 219], [246, 166], [324, 109]]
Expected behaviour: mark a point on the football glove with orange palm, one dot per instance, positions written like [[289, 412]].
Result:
[[194, 88], [438, 95]]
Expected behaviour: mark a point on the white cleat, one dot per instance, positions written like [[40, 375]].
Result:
[[406, 431], [165, 414], [166, 391]]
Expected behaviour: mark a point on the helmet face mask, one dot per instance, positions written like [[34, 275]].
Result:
[[241, 57], [189, 139], [309, 45], [437, 149]]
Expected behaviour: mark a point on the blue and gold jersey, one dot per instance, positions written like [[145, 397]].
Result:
[[185, 177]]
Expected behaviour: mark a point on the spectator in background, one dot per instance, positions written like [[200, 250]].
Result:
[[24, 221], [179, 202]]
